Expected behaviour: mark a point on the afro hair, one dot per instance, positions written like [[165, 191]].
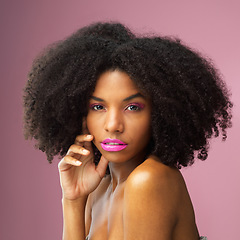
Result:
[[190, 101]]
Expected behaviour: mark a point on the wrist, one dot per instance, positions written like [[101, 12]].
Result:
[[80, 200]]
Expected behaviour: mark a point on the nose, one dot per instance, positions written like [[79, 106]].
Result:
[[114, 121]]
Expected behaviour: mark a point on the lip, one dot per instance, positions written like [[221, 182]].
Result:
[[118, 145]]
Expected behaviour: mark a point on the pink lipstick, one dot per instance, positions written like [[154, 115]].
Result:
[[113, 145]]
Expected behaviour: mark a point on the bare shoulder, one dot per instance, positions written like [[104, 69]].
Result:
[[152, 198], [153, 175], [157, 204]]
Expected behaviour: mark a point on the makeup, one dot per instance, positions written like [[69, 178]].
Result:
[[97, 107], [135, 106], [113, 145]]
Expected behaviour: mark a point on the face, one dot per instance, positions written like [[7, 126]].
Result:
[[119, 118]]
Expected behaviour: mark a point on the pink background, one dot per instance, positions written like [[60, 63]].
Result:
[[30, 202]]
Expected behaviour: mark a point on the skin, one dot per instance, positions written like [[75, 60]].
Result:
[[141, 198]]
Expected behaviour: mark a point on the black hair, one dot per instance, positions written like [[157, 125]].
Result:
[[190, 101]]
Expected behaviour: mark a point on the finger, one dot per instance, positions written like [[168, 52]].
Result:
[[80, 139], [72, 161], [102, 166], [67, 162], [84, 140], [77, 149]]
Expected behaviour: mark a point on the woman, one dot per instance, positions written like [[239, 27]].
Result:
[[126, 113]]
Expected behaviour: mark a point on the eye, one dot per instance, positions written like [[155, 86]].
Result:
[[135, 107], [97, 107]]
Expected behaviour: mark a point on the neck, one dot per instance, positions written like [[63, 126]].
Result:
[[120, 171]]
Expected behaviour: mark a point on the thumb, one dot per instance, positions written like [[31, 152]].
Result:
[[102, 166]]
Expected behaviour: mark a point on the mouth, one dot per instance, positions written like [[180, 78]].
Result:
[[113, 145]]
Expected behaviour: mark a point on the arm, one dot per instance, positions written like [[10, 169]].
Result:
[[79, 177], [150, 206], [74, 219]]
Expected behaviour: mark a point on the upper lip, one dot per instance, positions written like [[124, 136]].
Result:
[[108, 140]]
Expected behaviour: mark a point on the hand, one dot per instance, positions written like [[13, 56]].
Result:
[[78, 174]]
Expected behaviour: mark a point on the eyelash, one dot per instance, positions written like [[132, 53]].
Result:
[[139, 107], [92, 106]]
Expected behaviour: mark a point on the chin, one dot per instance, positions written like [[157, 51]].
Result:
[[115, 157], [122, 156]]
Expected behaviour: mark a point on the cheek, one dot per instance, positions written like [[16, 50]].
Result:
[[141, 128], [90, 123], [94, 125]]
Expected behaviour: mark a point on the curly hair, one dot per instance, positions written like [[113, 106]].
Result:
[[190, 101]]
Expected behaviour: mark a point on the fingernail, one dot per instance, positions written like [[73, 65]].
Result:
[[89, 136], [78, 163], [85, 151]]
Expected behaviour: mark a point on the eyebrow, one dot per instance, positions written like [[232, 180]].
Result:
[[125, 99]]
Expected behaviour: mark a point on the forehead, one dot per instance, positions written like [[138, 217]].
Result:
[[115, 82]]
